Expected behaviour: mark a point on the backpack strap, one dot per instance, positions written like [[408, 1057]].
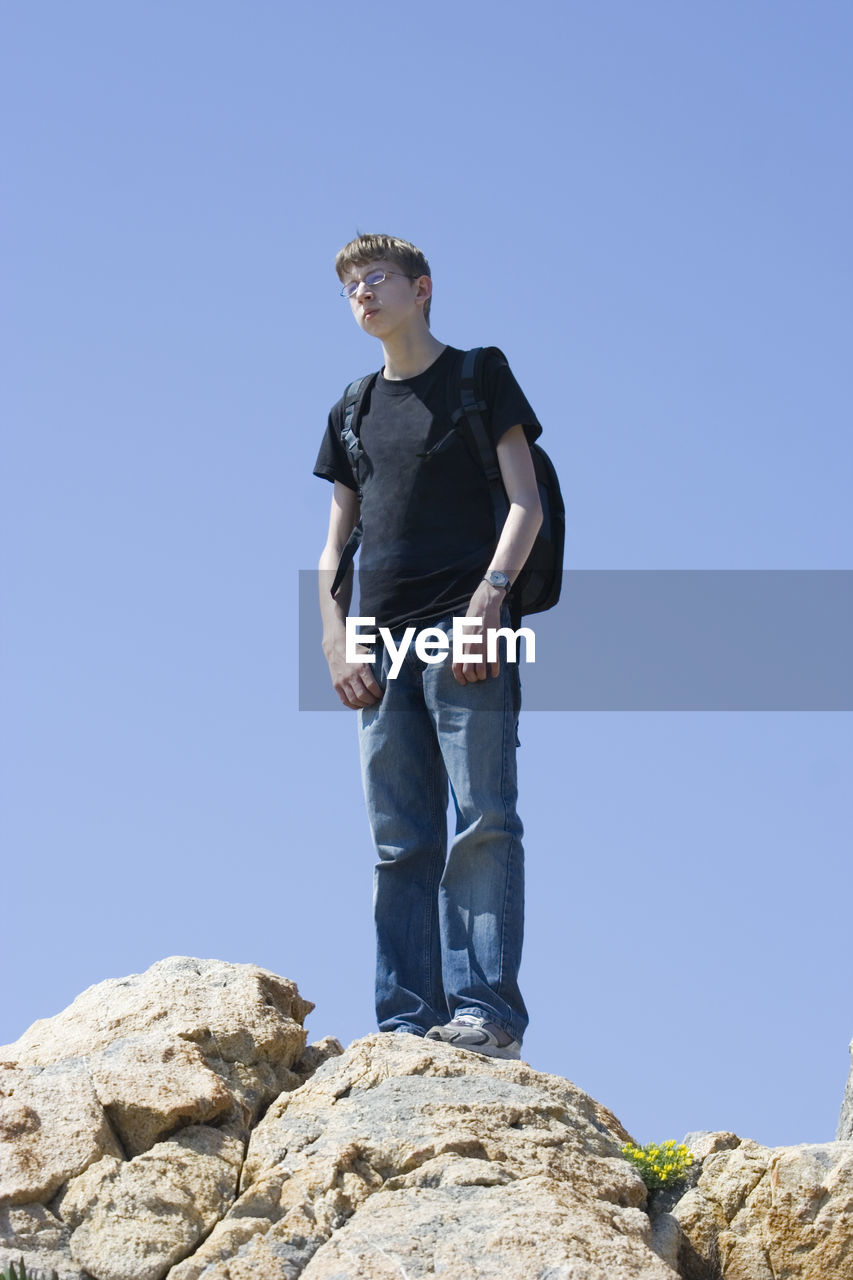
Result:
[[472, 411], [353, 400], [351, 545]]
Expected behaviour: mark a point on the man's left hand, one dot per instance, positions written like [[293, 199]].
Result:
[[485, 605]]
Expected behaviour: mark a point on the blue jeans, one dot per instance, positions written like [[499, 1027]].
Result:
[[449, 927]]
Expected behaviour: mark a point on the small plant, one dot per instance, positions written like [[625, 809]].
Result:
[[659, 1166], [19, 1272]]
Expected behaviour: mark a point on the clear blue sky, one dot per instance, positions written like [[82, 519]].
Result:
[[648, 207]]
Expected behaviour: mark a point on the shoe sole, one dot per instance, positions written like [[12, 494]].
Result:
[[491, 1051], [485, 1050]]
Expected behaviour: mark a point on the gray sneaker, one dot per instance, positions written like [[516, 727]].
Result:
[[478, 1035]]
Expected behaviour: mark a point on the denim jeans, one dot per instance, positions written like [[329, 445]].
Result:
[[449, 926]]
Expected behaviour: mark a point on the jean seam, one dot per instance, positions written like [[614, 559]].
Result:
[[504, 767], [432, 887]]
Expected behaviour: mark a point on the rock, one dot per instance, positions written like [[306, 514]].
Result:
[[315, 1055], [758, 1213], [131, 1220], [409, 1157], [504, 1233], [173, 1126], [31, 1231], [706, 1142], [233, 1028], [844, 1132], [666, 1238], [133, 1059], [52, 1126], [237, 1012], [98, 1104], [149, 1085]]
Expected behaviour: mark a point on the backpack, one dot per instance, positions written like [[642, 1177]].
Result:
[[537, 587]]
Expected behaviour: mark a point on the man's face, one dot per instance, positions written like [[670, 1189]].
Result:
[[381, 308]]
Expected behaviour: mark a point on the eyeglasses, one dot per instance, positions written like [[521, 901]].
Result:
[[372, 278]]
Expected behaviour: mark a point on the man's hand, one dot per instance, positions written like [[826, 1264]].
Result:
[[485, 605], [354, 682]]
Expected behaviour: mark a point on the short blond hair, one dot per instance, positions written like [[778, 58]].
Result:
[[374, 248]]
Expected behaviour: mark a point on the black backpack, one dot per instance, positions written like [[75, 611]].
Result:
[[537, 587]]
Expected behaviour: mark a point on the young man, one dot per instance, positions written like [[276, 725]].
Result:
[[448, 926]]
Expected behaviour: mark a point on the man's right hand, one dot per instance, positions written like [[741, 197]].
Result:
[[354, 682]]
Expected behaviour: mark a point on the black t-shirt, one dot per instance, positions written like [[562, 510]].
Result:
[[429, 524]]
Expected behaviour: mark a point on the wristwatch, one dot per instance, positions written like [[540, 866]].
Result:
[[498, 579]]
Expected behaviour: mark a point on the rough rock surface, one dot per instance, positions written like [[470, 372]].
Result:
[[35, 1234], [758, 1213], [173, 1126], [182, 1043], [52, 1125], [409, 1158], [124, 1118], [845, 1120], [134, 1218]]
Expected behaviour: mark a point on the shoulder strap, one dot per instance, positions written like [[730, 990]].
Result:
[[472, 411], [353, 400], [351, 545]]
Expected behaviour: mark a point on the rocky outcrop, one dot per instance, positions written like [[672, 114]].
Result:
[[124, 1119], [173, 1126], [140, 1144], [408, 1158], [757, 1213], [186, 1042], [845, 1120]]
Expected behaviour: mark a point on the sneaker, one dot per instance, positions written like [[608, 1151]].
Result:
[[478, 1035]]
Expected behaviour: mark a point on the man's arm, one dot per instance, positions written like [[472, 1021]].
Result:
[[516, 539], [353, 681]]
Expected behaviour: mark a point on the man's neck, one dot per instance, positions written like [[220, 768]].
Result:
[[408, 354]]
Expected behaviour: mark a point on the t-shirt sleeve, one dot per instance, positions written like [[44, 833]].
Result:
[[507, 403], [333, 460]]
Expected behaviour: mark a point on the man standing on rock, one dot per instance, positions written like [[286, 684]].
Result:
[[448, 925]]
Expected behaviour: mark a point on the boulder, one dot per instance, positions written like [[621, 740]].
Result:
[[705, 1142], [409, 1157], [52, 1126], [186, 1042], [173, 1126], [132, 1219], [759, 1213], [32, 1233], [143, 1085], [181, 1043]]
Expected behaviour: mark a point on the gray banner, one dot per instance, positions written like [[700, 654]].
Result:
[[666, 640]]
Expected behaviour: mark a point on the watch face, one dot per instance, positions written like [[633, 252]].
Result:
[[499, 579]]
